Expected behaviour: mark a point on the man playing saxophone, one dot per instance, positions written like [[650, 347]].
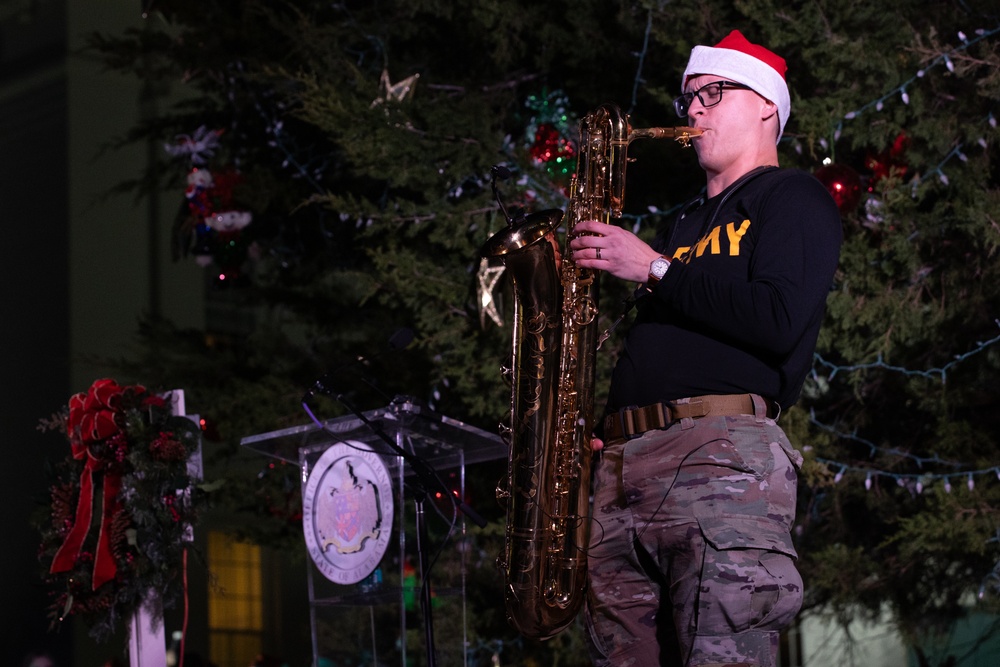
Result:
[[691, 560]]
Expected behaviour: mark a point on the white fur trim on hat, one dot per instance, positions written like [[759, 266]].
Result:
[[742, 68]]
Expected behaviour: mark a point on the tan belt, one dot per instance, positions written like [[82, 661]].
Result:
[[632, 422]]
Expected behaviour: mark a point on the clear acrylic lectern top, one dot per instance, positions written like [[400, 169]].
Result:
[[442, 442]]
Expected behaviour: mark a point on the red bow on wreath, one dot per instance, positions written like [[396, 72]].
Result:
[[92, 421]]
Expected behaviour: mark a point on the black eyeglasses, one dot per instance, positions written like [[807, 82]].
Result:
[[709, 95]]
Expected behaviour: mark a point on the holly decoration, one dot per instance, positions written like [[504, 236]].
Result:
[[121, 506]]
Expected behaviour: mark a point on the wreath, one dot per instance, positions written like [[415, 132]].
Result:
[[122, 506]]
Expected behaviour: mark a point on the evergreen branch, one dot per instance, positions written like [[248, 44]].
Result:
[[873, 448], [276, 128], [642, 59], [941, 59], [901, 90], [955, 151], [920, 461]]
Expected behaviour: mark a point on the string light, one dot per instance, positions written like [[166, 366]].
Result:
[[946, 60], [943, 59], [874, 449], [919, 481], [941, 372], [902, 479]]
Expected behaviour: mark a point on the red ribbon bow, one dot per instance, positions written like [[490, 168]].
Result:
[[92, 419]]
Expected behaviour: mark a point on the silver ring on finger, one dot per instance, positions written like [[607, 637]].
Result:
[[598, 252]]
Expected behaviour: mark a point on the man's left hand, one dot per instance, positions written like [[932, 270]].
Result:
[[596, 245]]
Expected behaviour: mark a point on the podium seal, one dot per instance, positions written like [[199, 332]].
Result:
[[347, 512]]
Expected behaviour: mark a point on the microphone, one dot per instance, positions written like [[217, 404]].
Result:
[[501, 172], [399, 340], [429, 479]]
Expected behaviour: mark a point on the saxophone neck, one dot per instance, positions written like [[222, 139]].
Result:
[[605, 134], [682, 135]]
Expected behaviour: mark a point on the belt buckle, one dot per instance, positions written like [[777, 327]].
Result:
[[627, 421], [698, 407]]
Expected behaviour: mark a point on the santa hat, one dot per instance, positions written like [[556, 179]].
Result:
[[736, 59]]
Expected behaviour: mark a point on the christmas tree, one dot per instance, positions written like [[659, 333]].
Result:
[[337, 161]]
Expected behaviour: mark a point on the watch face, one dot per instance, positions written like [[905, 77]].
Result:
[[658, 267]]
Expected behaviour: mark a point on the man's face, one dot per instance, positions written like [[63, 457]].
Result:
[[728, 125]]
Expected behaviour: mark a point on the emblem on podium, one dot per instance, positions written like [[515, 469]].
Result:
[[347, 512]]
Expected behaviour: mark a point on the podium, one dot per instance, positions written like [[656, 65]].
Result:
[[363, 513]]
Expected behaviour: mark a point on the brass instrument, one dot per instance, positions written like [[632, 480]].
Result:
[[547, 492]]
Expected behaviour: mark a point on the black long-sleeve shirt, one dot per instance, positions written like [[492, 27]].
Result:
[[740, 308]]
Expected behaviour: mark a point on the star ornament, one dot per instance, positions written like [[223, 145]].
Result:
[[489, 276], [394, 92]]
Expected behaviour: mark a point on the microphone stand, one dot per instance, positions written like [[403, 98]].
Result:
[[426, 478]]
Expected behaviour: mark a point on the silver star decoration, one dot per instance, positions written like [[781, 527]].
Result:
[[489, 276], [394, 92]]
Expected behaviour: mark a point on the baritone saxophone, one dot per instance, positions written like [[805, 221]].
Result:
[[547, 489]]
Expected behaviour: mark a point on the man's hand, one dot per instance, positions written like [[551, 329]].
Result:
[[596, 245]]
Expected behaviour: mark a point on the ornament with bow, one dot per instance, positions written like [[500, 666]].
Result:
[[93, 420]]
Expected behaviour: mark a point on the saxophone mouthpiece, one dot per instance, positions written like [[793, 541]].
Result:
[[684, 135]]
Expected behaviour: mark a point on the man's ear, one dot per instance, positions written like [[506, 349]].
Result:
[[768, 109]]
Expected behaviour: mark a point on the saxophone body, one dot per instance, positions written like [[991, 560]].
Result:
[[552, 374]]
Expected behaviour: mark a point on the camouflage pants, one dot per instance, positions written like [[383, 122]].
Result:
[[691, 560]]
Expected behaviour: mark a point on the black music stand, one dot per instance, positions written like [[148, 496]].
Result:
[[387, 606]]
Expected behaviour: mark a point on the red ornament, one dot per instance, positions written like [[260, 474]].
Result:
[[843, 184], [550, 146], [888, 162]]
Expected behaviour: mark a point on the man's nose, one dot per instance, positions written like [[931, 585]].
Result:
[[696, 106]]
